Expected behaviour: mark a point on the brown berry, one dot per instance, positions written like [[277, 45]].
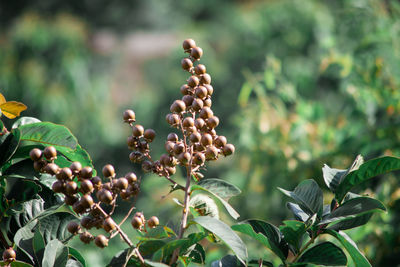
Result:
[[86, 201], [201, 92], [70, 200], [206, 139], [108, 170], [193, 81], [64, 174], [205, 78], [210, 89], [178, 148], [96, 181], [173, 137], [220, 141], [73, 227], [212, 122], [185, 89], [200, 69], [178, 106], [122, 183], [195, 137], [199, 158], [153, 222], [147, 166], [86, 237], [109, 225], [131, 141], [129, 116], [196, 52], [188, 100], [199, 123], [228, 149], [211, 153], [86, 172], [186, 64], [51, 169], [71, 188], [9, 255], [207, 102], [86, 186], [39, 165], [58, 187], [184, 158], [169, 146], [124, 194], [131, 177], [105, 196], [50, 153], [135, 156], [133, 189], [137, 130], [188, 122], [101, 241], [149, 135], [173, 119], [206, 113], [136, 222], [188, 44], [197, 104], [76, 167], [35, 154], [87, 222]]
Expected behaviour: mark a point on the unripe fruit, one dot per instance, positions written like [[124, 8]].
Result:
[[131, 177], [196, 52], [193, 81], [86, 186], [212, 122], [73, 227], [184, 158], [9, 255], [86, 172], [76, 167], [35, 154], [136, 222], [105, 196], [205, 78], [129, 116], [71, 188], [179, 148], [173, 119], [101, 241], [149, 135], [86, 237], [58, 187], [39, 165], [186, 64], [211, 153], [197, 104], [188, 100], [173, 137], [137, 130], [201, 92], [70, 200], [109, 225], [188, 122], [185, 89], [206, 139], [50, 153], [206, 113], [87, 222], [147, 166], [188, 44], [199, 158], [200, 69], [228, 149], [153, 222], [177, 107], [64, 174], [86, 201], [195, 137], [122, 183], [199, 123], [108, 170], [51, 168], [210, 89], [220, 141]]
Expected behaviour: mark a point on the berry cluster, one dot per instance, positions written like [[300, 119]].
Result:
[[193, 116], [81, 189]]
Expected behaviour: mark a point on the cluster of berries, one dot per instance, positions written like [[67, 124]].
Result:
[[192, 115], [81, 189]]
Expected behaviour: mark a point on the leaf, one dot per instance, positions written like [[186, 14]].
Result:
[[9, 146], [55, 254], [16, 264], [299, 214], [227, 261], [155, 264], [21, 190], [12, 109], [293, 232], [308, 195], [54, 226], [225, 233], [257, 263], [73, 263], [332, 177], [367, 170], [353, 208], [198, 254], [266, 233], [325, 253], [151, 246], [38, 245], [77, 255], [24, 120], [23, 239], [21, 214], [358, 258], [2, 99], [352, 222], [221, 190]]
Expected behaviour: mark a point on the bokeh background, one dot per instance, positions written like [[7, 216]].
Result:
[[297, 84]]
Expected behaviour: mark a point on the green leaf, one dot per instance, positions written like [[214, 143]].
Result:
[[257, 263], [353, 208], [352, 222], [308, 195], [24, 212], [220, 189], [299, 214], [55, 254], [21, 190], [367, 170], [38, 245], [198, 254], [24, 120], [325, 253], [9, 146], [77, 255], [225, 233], [16, 264], [155, 264], [358, 258], [1, 124], [54, 226], [266, 233], [150, 247], [23, 239], [293, 232], [227, 261]]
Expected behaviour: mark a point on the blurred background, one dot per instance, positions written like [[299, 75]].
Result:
[[296, 84]]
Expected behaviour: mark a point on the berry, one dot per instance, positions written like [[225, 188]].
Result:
[[153, 222], [206, 139], [131, 141], [35, 154], [131, 177], [136, 222], [129, 116], [193, 81], [96, 181], [210, 89], [86, 186], [196, 52], [173, 119], [197, 104], [50, 153], [73, 227], [86, 172], [200, 69], [212, 122], [199, 123], [205, 78], [195, 137], [122, 183], [108, 225], [188, 100], [211, 153], [186, 64], [178, 148], [206, 113], [76, 167], [147, 166], [199, 158], [9, 255], [207, 102], [185, 89], [149, 135], [87, 222], [201, 92], [101, 241], [64, 174], [86, 201], [108, 171], [105, 196], [70, 200], [188, 44], [173, 137], [58, 187], [184, 158], [137, 130], [71, 188], [220, 141], [86, 237], [39, 165], [51, 169], [188, 122], [228, 149], [177, 107]]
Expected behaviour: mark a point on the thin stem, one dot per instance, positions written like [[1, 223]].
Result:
[[305, 247]]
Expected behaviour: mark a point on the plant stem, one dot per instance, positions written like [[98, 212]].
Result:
[[305, 247]]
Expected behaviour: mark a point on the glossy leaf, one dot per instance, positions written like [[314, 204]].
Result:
[[266, 233], [367, 170], [293, 232], [24, 120], [353, 208], [77, 255], [352, 222], [332, 176], [358, 258], [38, 245], [54, 226], [308, 196], [225, 233], [198, 254], [325, 253], [16, 264], [55, 254], [298, 213]]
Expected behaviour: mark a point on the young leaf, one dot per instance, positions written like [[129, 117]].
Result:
[[308, 195], [55, 254], [225, 233], [366, 171], [293, 232], [325, 253], [353, 208], [358, 258], [266, 233]]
